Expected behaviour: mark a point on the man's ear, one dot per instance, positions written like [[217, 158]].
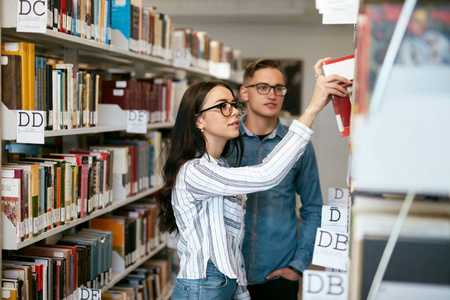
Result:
[[244, 93]]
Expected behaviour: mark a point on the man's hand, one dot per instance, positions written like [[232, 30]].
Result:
[[285, 273]]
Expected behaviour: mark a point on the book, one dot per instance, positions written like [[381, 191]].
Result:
[[117, 225], [343, 66], [121, 24], [12, 81], [26, 52]]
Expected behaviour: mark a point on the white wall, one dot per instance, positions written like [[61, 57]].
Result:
[[308, 43]]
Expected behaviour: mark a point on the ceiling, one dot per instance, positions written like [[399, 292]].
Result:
[[239, 11]]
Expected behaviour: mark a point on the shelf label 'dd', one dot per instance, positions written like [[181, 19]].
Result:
[[137, 121], [31, 16], [30, 126]]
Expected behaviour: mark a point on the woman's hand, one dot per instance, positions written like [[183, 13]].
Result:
[[325, 86]]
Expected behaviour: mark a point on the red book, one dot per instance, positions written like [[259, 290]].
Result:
[[63, 16], [344, 67]]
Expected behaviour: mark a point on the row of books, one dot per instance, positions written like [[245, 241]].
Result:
[[160, 97], [89, 258], [69, 98], [149, 281], [133, 26], [88, 19], [135, 232], [41, 193], [205, 50], [141, 29], [57, 271]]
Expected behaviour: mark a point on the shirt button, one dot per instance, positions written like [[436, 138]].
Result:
[[242, 266], [256, 211], [254, 233]]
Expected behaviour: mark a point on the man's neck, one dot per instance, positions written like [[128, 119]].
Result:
[[260, 125]]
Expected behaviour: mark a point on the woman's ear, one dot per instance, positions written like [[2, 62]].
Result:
[[244, 93], [199, 123]]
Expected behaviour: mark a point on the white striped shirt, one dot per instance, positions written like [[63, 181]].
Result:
[[209, 205]]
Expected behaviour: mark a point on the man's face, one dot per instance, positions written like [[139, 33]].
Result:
[[269, 105]]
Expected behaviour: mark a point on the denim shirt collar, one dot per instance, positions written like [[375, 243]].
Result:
[[280, 130]]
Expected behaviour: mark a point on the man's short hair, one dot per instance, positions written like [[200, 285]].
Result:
[[258, 65]]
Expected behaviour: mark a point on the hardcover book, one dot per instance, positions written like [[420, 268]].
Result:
[[344, 67]]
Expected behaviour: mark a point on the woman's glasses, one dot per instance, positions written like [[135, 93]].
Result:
[[226, 108]]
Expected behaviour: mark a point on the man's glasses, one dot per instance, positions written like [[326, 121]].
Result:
[[264, 89], [226, 108]]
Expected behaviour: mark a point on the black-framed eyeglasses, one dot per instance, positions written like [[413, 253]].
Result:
[[264, 89], [226, 108]]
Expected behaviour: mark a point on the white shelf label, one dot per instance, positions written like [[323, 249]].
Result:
[[32, 16], [182, 58], [90, 294], [320, 285], [30, 127], [137, 121]]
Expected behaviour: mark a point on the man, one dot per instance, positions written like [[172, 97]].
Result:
[[275, 251]]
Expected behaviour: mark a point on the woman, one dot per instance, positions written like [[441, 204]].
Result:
[[204, 200]]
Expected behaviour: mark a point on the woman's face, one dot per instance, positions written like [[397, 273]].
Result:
[[217, 128]]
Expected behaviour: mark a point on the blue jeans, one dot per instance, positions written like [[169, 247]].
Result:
[[215, 286]]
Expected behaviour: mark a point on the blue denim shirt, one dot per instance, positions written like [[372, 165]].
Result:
[[272, 240]]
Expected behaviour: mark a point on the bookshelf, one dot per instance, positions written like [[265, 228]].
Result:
[[399, 165], [111, 118]]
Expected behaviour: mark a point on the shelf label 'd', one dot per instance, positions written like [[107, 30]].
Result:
[[137, 121], [30, 126], [31, 16]]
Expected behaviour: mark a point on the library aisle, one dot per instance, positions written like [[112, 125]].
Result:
[[90, 91]]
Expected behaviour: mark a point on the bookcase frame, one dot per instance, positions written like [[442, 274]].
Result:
[[111, 117], [387, 219]]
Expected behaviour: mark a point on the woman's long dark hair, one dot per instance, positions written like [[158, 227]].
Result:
[[186, 143]]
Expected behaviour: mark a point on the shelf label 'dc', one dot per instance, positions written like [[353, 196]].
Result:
[[32, 16]]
